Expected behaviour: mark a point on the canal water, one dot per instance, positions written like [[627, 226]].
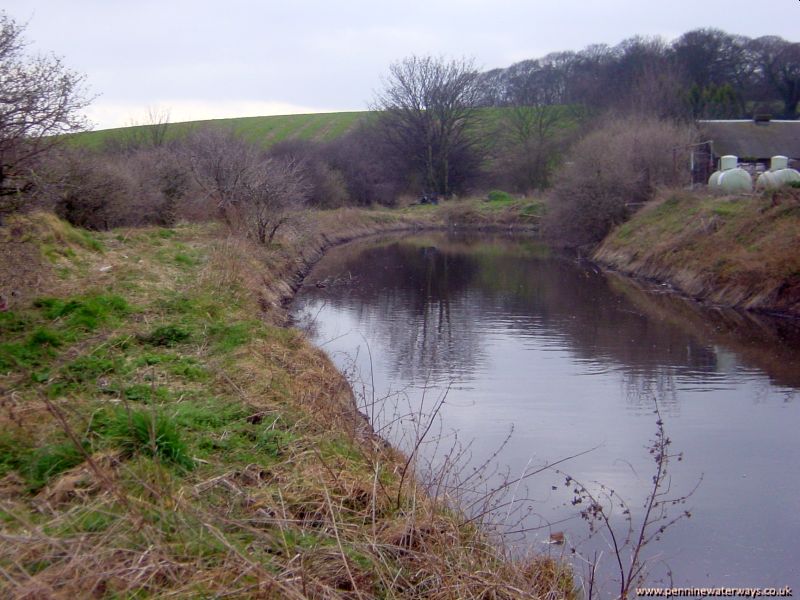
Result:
[[492, 358]]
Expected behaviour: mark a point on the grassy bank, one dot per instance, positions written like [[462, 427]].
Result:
[[734, 251], [163, 435], [496, 210]]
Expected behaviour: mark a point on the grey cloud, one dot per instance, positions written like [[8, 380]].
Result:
[[330, 55]]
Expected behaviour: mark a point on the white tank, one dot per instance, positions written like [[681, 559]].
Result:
[[776, 163], [730, 178], [778, 175], [767, 181], [735, 180], [727, 162], [788, 176]]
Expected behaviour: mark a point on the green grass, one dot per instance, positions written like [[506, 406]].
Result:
[[184, 367], [228, 336], [39, 466], [729, 209], [40, 345], [154, 435], [11, 322], [185, 260], [86, 313], [274, 442], [87, 521], [88, 368], [11, 451], [146, 394], [167, 335], [214, 414], [266, 131], [499, 197], [318, 127]]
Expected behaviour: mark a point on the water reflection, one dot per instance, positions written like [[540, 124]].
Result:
[[423, 295], [572, 358]]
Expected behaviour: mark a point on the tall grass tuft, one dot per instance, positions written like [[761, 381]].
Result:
[[141, 432]]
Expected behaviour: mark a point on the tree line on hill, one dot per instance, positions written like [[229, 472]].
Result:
[[704, 74], [615, 122]]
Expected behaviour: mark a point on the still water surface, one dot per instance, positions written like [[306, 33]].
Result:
[[569, 359]]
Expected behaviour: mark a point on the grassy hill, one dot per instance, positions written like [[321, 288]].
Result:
[[264, 130], [319, 127]]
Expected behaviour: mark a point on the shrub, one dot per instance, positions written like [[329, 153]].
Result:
[[372, 172], [274, 194], [101, 191], [499, 196], [622, 162], [86, 190], [166, 180], [327, 188]]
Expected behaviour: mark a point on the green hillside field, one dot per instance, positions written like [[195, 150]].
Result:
[[264, 130], [318, 127]]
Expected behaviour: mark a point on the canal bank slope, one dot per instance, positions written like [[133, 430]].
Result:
[[738, 251], [163, 433]]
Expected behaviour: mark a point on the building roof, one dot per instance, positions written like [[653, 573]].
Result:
[[747, 139]]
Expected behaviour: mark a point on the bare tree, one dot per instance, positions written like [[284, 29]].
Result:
[[429, 114], [151, 133], [530, 133], [221, 163], [371, 169], [261, 193], [658, 91], [531, 127], [157, 125], [275, 191], [39, 99]]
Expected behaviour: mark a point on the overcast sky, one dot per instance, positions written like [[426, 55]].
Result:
[[204, 59]]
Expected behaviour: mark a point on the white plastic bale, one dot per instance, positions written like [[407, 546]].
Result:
[[735, 180]]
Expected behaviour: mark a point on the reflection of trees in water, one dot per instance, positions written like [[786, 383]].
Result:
[[433, 338], [417, 300], [644, 390], [426, 297]]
